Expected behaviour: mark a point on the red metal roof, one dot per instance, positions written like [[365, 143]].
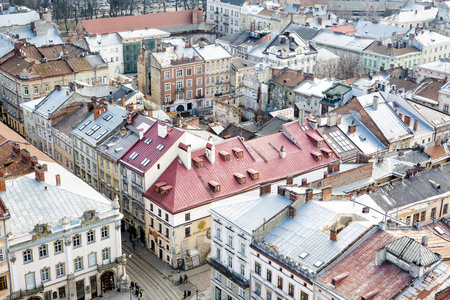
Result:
[[345, 29], [149, 151], [190, 187]]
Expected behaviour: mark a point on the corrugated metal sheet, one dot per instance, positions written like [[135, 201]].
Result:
[[407, 249]]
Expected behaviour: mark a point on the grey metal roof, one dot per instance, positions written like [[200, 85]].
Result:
[[106, 125], [435, 117], [274, 125], [53, 101], [377, 31], [407, 249], [19, 18], [417, 188], [306, 33], [241, 63], [66, 125], [116, 146], [234, 2], [30, 201]]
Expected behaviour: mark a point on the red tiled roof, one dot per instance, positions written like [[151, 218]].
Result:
[[118, 24], [345, 29], [191, 189], [149, 151], [364, 277]]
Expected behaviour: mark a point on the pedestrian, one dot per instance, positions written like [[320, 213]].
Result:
[[111, 282], [181, 279], [137, 289], [185, 294], [185, 278], [134, 244], [140, 293], [132, 284]]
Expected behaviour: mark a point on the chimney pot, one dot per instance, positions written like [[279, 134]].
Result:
[[15, 148], [333, 235], [416, 124], [58, 179], [309, 195], [425, 240], [326, 193], [352, 128], [264, 188], [289, 180], [34, 161], [375, 102], [39, 172], [25, 156], [325, 174], [292, 212]]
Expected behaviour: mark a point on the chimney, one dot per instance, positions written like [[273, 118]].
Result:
[[301, 116], [416, 124], [401, 153], [333, 235], [400, 115], [375, 102], [123, 132], [337, 166], [58, 87], [129, 117], [105, 105], [407, 120], [339, 278], [437, 143], [330, 168], [15, 148], [326, 193], [58, 179], [309, 195], [98, 111], [34, 161], [39, 173], [325, 175], [162, 130], [283, 152], [289, 179], [319, 20], [380, 159], [45, 167], [292, 212], [2, 184], [25, 156], [123, 101], [67, 93], [425, 240], [304, 181], [352, 128], [141, 133], [264, 188], [211, 153]]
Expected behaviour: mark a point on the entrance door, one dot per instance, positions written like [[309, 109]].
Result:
[[152, 245], [160, 254], [107, 280], [218, 294], [142, 235], [80, 290], [415, 218], [93, 286]]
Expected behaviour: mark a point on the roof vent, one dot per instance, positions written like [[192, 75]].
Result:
[[435, 184]]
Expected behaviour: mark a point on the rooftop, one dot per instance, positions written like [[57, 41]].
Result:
[[429, 38], [18, 19], [67, 124], [142, 33], [306, 33], [345, 29], [241, 63], [342, 41], [377, 31], [439, 66], [380, 49], [101, 40], [412, 16], [288, 77], [212, 52], [436, 117]]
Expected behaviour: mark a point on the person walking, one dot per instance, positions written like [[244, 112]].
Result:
[[134, 244], [185, 278], [180, 280]]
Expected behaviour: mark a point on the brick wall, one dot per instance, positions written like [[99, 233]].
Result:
[[345, 178]]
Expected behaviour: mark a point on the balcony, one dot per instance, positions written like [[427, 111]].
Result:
[[226, 23], [180, 89], [225, 15], [115, 263], [25, 293], [219, 82], [216, 12], [229, 273]]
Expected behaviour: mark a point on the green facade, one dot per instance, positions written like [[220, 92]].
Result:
[[131, 51], [373, 62]]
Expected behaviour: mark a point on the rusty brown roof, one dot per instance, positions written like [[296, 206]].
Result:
[[14, 65], [376, 48], [429, 89], [54, 51], [363, 277], [288, 78], [51, 68], [79, 64]]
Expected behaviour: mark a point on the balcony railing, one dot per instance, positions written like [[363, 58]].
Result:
[[25, 293], [180, 89], [101, 268]]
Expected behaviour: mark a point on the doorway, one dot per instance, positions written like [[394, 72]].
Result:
[[160, 253], [80, 290], [107, 280]]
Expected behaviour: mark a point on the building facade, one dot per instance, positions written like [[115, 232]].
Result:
[[226, 14]]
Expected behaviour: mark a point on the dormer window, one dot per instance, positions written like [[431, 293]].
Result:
[[240, 178], [317, 155], [199, 163], [318, 143], [224, 155], [133, 155], [253, 174], [215, 186], [159, 185], [317, 139], [238, 152], [328, 152], [164, 190]]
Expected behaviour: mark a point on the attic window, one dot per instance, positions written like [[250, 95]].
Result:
[[238, 152], [148, 141], [133, 155], [198, 162], [240, 178], [215, 186], [253, 174], [159, 185], [164, 190], [85, 124], [160, 147], [317, 139], [317, 155], [328, 152], [224, 155], [107, 118], [145, 162], [101, 134]]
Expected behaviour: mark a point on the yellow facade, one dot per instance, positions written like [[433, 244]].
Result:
[[109, 177]]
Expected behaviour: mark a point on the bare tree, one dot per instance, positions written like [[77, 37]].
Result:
[[347, 66]]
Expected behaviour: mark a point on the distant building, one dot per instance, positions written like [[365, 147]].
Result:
[[381, 57], [412, 18], [260, 18], [110, 48], [281, 88], [226, 14], [434, 46]]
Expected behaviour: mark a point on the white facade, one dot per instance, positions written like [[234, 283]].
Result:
[[434, 46], [110, 48], [226, 15]]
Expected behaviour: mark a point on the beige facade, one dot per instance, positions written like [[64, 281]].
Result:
[[63, 149], [109, 176]]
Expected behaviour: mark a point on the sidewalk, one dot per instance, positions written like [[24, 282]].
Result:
[[198, 278]]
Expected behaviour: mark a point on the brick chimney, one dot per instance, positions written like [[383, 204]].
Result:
[[123, 102], [416, 124], [319, 20], [2, 184], [292, 212], [39, 172], [401, 153], [309, 195], [98, 111], [210, 152], [25, 156], [289, 179], [34, 161], [407, 120], [325, 174], [123, 132], [333, 235], [339, 278], [264, 188], [304, 181], [352, 128], [15, 148], [58, 179], [326, 193]]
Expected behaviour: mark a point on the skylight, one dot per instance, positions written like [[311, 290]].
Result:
[[160, 147], [107, 118], [148, 141], [85, 124], [318, 263], [303, 255], [133, 155], [145, 162], [101, 134]]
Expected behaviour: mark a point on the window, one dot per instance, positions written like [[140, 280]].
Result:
[[76, 240], [27, 257], [92, 259], [445, 209], [105, 232], [242, 250], [230, 240], [269, 275], [78, 263], [242, 269], [179, 73], [47, 88], [258, 268], [45, 274], [3, 283], [230, 262], [303, 295], [167, 75], [59, 270], [218, 276], [218, 252], [199, 69], [189, 72], [90, 236], [241, 293], [2, 256], [167, 98], [199, 81], [105, 254], [433, 212], [187, 217], [25, 90], [62, 292], [258, 288], [291, 290], [423, 215], [187, 231], [42, 251], [29, 281], [36, 90], [280, 283], [229, 284], [167, 86], [268, 295], [188, 94]]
